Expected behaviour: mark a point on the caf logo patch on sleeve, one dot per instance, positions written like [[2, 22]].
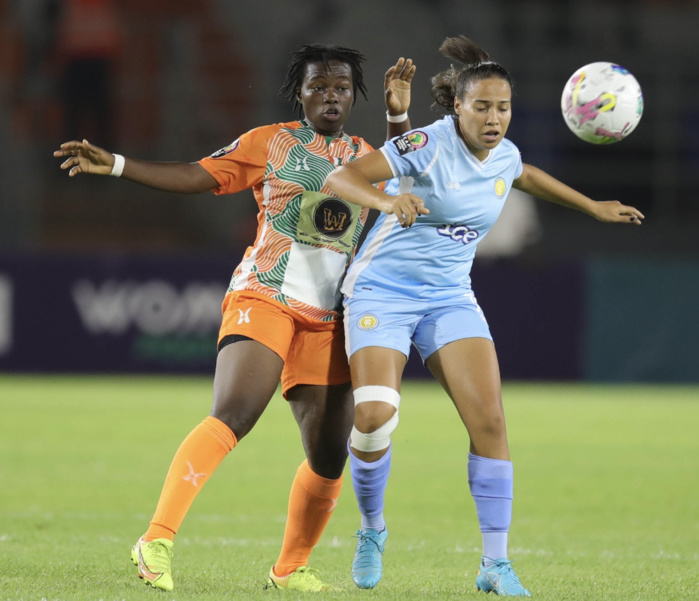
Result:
[[410, 142]]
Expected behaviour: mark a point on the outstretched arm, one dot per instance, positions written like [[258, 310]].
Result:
[[397, 94], [353, 182], [185, 178], [538, 183]]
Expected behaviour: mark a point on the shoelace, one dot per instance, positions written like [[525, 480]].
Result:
[[508, 577], [365, 553], [312, 575], [161, 556]]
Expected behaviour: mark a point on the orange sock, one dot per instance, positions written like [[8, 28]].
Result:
[[196, 459], [311, 503]]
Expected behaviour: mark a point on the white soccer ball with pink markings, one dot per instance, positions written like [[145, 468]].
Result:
[[602, 103]]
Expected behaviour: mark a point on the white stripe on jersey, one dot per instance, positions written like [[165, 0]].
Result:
[[431, 164], [405, 186], [389, 160]]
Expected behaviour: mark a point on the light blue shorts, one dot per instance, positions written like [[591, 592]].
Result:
[[396, 324]]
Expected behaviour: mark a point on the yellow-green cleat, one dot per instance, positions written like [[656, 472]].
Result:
[[154, 561], [303, 580]]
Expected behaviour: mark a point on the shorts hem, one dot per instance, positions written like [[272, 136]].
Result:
[[385, 346], [252, 336], [287, 386]]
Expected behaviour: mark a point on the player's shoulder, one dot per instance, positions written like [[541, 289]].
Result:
[[359, 143], [259, 136], [412, 141], [432, 131], [253, 140], [441, 130], [272, 129], [508, 146], [288, 128], [505, 156]]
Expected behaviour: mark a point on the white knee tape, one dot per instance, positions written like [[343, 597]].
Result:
[[385, 394], [374, 441]]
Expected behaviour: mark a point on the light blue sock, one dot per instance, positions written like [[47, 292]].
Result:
[[369, 481], [491, 483]]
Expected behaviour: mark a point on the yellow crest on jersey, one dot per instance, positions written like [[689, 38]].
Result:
[[500, 187]]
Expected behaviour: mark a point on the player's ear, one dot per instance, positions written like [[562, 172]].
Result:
[[457, 105]]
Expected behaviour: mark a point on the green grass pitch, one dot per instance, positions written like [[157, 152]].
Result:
[[606, 494]]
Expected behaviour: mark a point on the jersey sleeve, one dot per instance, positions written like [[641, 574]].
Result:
[[410, 154], [520, 167], [241, 164]]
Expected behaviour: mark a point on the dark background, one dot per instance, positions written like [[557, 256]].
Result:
[[178, 80]]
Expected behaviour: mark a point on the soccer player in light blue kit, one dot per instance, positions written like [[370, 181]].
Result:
[[410, 284]]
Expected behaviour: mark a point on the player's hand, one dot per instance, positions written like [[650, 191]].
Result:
[[84, 157], [406, 207], [612, 211], [397, 86]]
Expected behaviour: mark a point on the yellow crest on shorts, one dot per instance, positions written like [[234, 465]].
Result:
[[368, 322]]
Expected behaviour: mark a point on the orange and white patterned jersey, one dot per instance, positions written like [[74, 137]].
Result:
[[306, 236]]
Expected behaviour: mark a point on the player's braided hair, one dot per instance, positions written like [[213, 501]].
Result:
[[320, 53], [455, 81]]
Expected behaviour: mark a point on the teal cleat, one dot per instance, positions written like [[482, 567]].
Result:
[[367, 566], [500, 578]]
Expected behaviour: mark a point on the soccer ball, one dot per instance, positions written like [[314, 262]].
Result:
[[602, 103]]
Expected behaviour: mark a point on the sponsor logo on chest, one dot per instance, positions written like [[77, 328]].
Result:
[[458, 233]]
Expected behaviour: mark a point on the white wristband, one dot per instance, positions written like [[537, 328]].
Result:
[[118, 167], [396, 118]]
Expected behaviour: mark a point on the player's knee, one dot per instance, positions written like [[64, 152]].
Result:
[[328, 463], [239, 418], [369, 417], [379, 439], [492, 422], [374, 406], [376, 417]]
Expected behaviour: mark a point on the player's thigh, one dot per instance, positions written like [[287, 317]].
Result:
[[460, 353], [316, 355], [449, 320], [246, 378], [378, 336], [258, 319], [468, 370], [316, 382], [254, 341]]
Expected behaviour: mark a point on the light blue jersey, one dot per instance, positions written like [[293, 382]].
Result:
[[432, 259]]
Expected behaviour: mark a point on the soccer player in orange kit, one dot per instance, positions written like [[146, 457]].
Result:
[[282, 312]]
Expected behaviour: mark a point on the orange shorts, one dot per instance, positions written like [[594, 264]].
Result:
[[313, 351]]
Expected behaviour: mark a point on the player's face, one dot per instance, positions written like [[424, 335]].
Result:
[[326, 96], [484, 114]]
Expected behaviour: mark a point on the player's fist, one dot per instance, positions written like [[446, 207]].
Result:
[[406, 208]]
